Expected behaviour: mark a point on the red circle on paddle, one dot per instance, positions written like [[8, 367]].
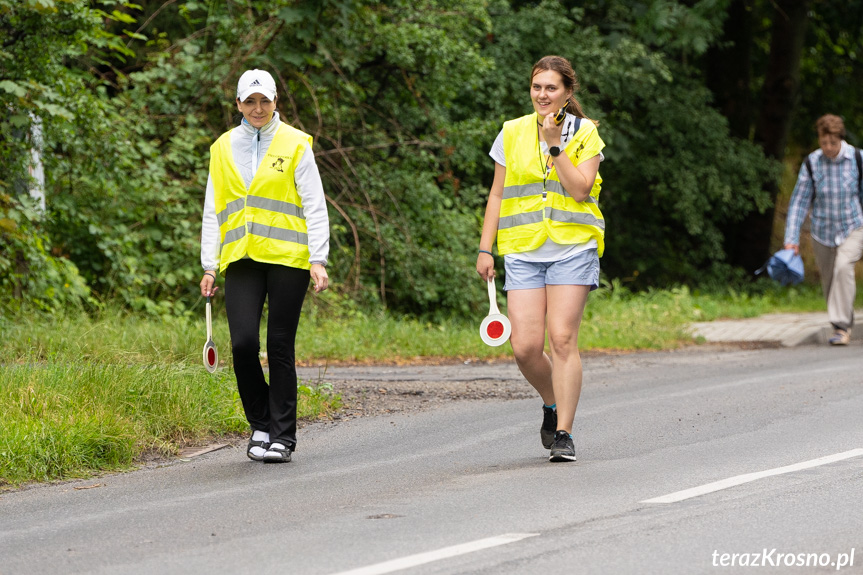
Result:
[[494, 329], [211, 356]]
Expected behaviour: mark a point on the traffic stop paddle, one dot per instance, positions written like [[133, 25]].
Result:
[[495, 328], [211, 355]]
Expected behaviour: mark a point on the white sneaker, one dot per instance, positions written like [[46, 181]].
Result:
[[840, 337]]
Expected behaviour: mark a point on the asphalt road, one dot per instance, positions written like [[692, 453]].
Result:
[[437, 488]]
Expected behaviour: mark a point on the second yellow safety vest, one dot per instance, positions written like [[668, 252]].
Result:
[[536, 207], [264, 222]]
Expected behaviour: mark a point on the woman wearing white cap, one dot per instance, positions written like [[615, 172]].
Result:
[[266, 230]]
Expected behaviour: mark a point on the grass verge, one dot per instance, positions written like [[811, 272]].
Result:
[[70, 419], [83, 393], [614, 319]]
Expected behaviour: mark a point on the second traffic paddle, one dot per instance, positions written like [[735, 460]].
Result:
[[495, 328], [211, 355]]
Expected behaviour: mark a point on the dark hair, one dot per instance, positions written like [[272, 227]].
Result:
[[562, 66], [830, 124]]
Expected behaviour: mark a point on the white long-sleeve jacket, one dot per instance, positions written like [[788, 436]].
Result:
[[249, 145]]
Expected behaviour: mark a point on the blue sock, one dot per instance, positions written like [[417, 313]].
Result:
[[552, 406]]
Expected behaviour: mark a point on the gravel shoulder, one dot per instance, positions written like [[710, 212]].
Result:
[[377, 390], [370, 390]]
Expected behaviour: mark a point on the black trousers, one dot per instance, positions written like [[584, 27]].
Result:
[[271, 408]]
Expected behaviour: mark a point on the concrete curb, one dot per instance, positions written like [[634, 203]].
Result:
[[787, 329]]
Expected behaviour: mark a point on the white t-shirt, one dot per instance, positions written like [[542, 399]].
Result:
[[549, 251]]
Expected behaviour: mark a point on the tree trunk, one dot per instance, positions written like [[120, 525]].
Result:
[[782, 83], [750, 246], [729, 68], [20, 273]]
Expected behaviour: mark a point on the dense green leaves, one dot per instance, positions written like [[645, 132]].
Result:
[[403, 99], [832, 66], [43, 96], [673, 174]]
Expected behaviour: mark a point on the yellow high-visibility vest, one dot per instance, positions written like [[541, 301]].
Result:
[[535, 208], [264, 222]]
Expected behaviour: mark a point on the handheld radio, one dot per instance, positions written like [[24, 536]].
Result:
[[561, 114]]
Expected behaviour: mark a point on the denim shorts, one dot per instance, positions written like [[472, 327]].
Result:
[[581, 269]]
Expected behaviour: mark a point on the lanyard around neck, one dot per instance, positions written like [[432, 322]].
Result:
[[543, 162]]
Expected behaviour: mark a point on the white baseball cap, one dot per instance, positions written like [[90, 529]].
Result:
[[256, 82]]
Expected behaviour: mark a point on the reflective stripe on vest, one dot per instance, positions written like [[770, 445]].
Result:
[[233, 207], [524, 190], [266, 221], [552, 214], [533, 211], [266, 232], [256, 202]]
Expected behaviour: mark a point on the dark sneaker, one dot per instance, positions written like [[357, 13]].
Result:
[[563, 448], [549, 426]]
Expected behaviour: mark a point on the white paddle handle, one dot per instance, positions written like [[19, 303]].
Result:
[[492, 297], [209, 321]]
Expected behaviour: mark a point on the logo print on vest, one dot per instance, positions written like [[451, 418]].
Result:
[[277, 165], [578, 151]]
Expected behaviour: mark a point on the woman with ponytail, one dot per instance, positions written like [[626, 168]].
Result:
[[543, 213]]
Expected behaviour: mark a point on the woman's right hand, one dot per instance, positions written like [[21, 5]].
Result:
[[485, 266], [208, 283], [795, 247]]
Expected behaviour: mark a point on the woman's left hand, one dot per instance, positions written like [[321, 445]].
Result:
[[551, 132], [319, 277]]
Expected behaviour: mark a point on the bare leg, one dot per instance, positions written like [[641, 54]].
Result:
[[566, 308], [526, 310]]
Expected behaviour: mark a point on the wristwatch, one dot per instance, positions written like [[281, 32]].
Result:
[[554, 151]]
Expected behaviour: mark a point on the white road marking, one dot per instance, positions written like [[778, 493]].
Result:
[[429, 556], [746, 478]]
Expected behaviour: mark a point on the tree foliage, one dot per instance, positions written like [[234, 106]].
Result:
[[831, 68], [403, 99], [37, 83], [674, 175]]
